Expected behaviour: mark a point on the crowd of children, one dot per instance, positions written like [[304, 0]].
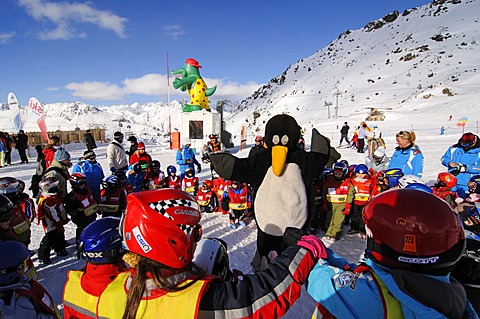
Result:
[[341, 195]]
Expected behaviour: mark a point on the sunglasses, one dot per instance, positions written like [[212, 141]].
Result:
[[466, 144]]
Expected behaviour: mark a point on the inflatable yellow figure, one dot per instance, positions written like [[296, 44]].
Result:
[[197, 88]]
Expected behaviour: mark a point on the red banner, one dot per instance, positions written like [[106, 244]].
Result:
[[37, 109]]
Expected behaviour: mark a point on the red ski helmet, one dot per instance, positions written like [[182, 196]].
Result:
[[448, 179], [208, 183], [413, 230], [162, 225]]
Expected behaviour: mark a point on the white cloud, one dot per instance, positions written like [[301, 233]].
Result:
[[65, 15], [155, 85], [174, 31], [149, 84], [5, 37], [96, 90], [51, 89]]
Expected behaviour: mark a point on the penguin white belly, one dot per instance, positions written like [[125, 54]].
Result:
[[281, 201]]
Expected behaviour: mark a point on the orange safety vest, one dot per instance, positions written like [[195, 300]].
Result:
[[88, 205], [180, 304]]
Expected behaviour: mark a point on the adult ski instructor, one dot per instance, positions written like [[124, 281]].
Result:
[[116, 156]]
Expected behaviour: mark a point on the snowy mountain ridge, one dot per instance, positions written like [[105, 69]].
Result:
[[424, 56]]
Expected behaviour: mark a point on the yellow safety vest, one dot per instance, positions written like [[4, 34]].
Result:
[[334, 198], [76, 298], [180, 304]]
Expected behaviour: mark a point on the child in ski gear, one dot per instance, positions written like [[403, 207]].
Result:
[[190, 182], [113, 197], [173, 180], [219, 186], [6, 232], [206, 198], [389, 282], [41, 168], [236, 200], [80, 204], [59, 169], [443, 188], [92, 170], [51, 213], [407, 155], [140, 155], [20, 296], [23, 210], [186, 158], [377, 161], [463, 160], [101, 245], [354, 143], [387, 179], [365, 189], [156, 177], [172, 283], [337, 195], [136, 176]]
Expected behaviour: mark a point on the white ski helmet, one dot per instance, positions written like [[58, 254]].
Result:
[[409, 179]]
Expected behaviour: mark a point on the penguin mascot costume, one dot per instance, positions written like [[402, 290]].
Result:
[[282, 174]]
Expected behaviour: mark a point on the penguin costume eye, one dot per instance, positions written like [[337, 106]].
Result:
[[284, 140], [275, 139]]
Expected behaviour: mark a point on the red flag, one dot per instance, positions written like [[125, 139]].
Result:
[[43, 127]]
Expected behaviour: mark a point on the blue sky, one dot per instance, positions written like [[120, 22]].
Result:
[[107, 52]]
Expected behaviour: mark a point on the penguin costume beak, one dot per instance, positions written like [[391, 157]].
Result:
[[279, 156]]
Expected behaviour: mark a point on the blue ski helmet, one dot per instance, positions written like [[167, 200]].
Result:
[[420, 187], [100, 242], [13, 265], [393, 175], [171, 169], [361, 169], [340, 166]]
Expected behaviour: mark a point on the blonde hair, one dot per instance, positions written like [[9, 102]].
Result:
[[407, 135]]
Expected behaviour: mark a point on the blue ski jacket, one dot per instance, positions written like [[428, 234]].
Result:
[[409, 159], [94, 174], [347, 294], [469, 158], [186, 158]]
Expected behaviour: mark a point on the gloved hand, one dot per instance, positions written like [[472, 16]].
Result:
[[299, 237], [113, 169], [461, 168], [199, 168], [314, 245], [346, 210], [189, 161]]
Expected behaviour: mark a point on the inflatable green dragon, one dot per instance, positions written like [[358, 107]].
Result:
[[197, 88]]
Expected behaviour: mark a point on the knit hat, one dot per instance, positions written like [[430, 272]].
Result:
[[186, 141], [88, 153], [258, 138], [141, 146], [117, 134], [61, 155]]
